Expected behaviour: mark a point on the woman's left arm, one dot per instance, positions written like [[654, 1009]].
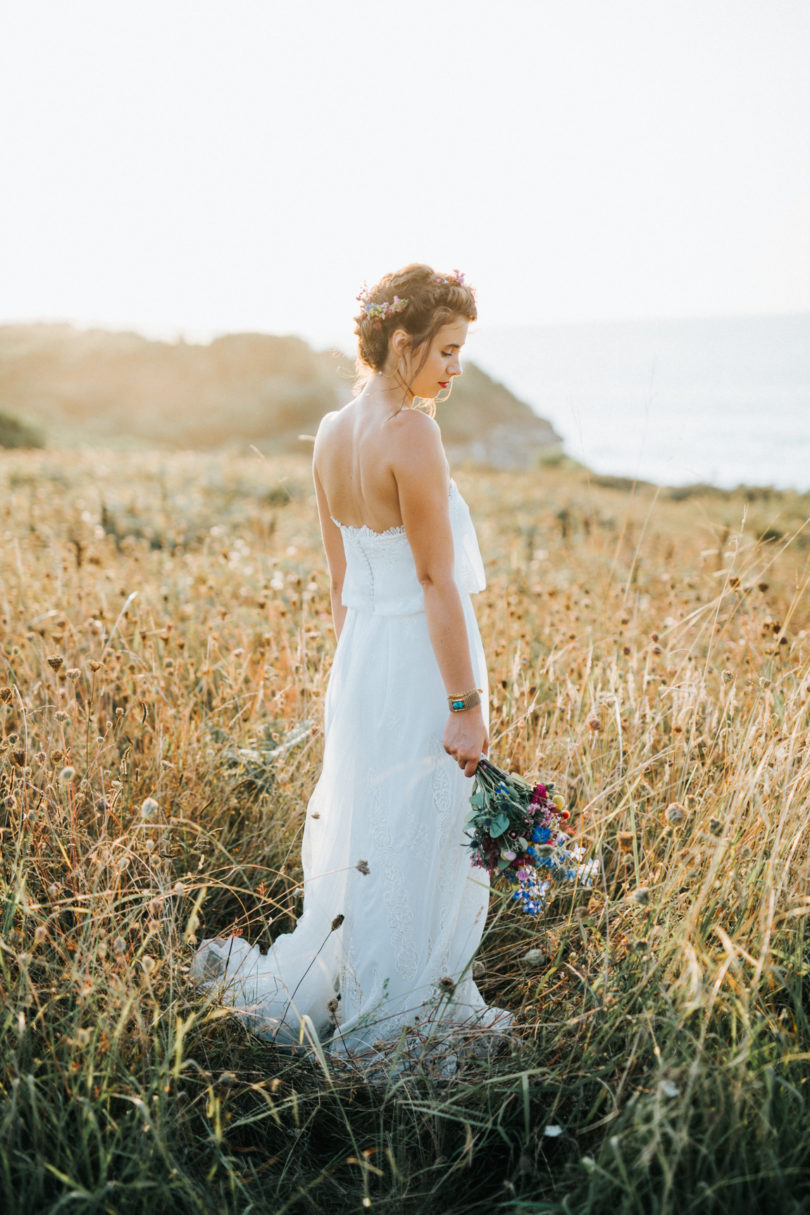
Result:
[[335, 556]]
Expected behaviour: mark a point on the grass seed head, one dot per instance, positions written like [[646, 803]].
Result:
[[675, 814], [535, 957]]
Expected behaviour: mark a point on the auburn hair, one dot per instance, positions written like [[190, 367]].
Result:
[[432, 301]]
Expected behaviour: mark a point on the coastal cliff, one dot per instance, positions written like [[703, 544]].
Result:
[[103, 388]]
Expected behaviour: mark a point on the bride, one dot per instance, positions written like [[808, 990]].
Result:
[[378, 969]]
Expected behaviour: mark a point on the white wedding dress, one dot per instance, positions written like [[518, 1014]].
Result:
[[392, 981]]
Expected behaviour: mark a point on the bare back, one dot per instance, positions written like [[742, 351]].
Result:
[[355, 453]]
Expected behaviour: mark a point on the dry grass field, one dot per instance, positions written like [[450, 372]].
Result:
[[164, 645]]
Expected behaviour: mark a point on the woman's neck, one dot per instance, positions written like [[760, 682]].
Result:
[[384, 389]]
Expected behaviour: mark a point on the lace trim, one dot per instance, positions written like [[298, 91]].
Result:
[[369, 532]]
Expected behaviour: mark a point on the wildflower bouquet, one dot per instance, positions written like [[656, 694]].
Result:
[[515, 833]]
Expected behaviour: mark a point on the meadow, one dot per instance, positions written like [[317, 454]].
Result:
[[165, 640]]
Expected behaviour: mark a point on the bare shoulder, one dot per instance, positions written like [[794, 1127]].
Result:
[[329, 427], [328, 419], [328, 422], [415, 422], [416, 442]]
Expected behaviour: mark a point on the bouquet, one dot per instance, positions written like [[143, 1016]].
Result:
[[515, 833]]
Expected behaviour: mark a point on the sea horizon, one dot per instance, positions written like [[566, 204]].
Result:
[[722, 400]]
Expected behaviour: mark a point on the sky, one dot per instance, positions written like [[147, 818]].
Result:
[[192, 167]]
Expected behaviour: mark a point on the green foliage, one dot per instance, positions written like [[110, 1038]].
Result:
[[16, 433], [622, 484]]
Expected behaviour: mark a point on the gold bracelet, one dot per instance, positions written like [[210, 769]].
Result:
[[468, 700]]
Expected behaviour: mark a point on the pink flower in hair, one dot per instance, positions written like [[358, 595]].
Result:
[[456, 277]]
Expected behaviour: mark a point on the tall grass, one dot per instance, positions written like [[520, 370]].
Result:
[[165, 644]]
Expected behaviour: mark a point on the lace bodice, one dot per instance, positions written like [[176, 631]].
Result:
[[380, 571]]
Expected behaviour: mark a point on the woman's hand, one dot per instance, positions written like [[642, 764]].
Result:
[[466, 739]]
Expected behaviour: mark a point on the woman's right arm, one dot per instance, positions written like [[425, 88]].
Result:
[[335, 555], [420, 469]]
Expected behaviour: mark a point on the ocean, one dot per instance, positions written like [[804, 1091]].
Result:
[[724, 400]]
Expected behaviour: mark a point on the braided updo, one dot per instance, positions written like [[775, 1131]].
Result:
[[432, 301]]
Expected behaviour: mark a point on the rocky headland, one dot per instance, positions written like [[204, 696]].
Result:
[[64, 387]]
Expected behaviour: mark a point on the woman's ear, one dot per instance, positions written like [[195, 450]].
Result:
[[399, 342]]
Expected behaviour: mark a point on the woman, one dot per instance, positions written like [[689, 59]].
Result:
[[378, 967]]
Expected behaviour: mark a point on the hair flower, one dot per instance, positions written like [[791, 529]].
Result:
[[380, 310], [456, 278]]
